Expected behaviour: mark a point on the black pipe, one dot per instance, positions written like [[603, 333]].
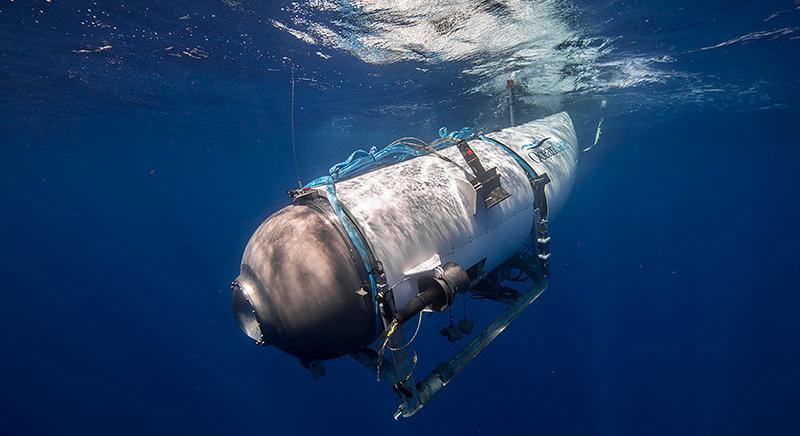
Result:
[[439, 295], [419, 302]]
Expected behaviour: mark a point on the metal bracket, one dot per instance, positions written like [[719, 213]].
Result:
[[541, 231], [300, 193], [486, 182]]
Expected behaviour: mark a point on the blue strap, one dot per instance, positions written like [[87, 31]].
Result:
[[355, 238], [528, 169], [361, 161], [464, 133]]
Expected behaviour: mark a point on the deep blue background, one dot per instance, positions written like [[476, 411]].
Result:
[[129, 193]]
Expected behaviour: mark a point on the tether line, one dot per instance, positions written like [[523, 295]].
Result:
[[294, 147]]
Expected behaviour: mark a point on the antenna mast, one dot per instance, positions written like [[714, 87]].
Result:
[[510, 87], [294, 148]]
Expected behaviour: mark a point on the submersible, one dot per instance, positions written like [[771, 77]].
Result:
[[409, 228]]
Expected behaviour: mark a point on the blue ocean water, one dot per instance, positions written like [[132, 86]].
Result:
[[142, 143]]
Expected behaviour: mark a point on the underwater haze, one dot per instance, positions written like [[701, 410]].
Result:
[[142, 143]]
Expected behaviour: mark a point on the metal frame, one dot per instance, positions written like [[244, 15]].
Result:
[[398, 370]]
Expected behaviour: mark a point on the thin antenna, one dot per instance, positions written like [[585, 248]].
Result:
[[510, 86], [294, 148]]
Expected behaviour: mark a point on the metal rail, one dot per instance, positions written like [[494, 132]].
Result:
[[446, 371]]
